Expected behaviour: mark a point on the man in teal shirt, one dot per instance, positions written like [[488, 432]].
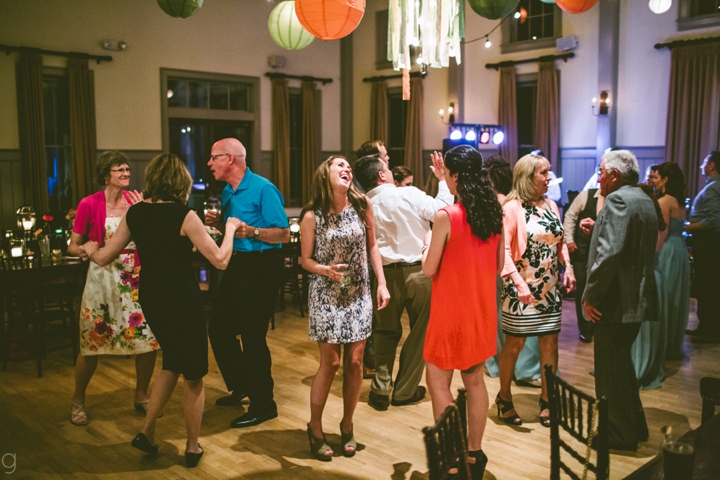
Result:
[[249, 288]]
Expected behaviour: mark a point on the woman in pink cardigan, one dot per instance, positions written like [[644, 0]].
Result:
[[531, 299], [111, 320]]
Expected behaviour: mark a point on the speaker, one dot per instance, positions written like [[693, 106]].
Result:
[[569, 42], [276, 61]]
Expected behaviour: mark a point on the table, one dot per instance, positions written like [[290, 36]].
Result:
[[707, 455]]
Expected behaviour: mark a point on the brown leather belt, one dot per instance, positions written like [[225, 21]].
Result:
[[402, 265]]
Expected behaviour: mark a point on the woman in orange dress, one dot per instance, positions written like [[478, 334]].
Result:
[[463, 254]]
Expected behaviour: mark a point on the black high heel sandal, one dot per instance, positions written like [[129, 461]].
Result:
[[348, 440], [192, 459], [504, 406], [319, 446], [477, 469], [544, 421]]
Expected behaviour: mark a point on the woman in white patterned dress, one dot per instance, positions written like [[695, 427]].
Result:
[[111, 320], [337, 233]]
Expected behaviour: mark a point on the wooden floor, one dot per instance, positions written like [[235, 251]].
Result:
[[35, 427]]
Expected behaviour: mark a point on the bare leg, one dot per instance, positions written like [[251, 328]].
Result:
[[84, 370], [193, 403], [478, 403], [508, 359], [164, 385], [352, 382], [144, 366], [439, 384], [320, 389], [548, 356]]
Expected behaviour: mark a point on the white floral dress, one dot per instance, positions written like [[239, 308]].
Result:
[[111, 320]]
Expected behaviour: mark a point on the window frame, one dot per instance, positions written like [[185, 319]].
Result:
[[687, 22], [526, 45]]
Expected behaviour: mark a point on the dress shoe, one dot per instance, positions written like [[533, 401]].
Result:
[[142, 443], [416, 397], [235, 398], [192, 459], [586, 338], [379, 402], [534, 383], [250, 419]]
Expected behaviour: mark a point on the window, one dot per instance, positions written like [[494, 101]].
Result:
[[58, 161], [200, 94], [698, 14], [381, 41], [538, 29], [526, 93], [397, 120]]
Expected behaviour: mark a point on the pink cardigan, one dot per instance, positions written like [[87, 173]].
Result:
[[90, 216], [516, 235]]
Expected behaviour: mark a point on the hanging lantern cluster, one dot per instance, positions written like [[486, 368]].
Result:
[[180, 8], [659, 6], [285, 28], [576, 6], [330, 19], [493, 9]]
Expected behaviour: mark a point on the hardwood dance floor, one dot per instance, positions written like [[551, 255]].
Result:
[[35, 427]]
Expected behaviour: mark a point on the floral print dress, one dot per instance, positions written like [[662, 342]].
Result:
[[539, 268], [111, 320]]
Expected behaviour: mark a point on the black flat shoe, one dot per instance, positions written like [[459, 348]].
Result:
[[235, 398], [416, 397], [379, 402], [250, 419], [192, 459], [142, 443], [477, 469]]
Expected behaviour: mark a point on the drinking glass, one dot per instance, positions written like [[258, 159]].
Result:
[[678, 452]]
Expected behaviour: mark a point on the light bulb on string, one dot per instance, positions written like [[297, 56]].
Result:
[[488, 43]]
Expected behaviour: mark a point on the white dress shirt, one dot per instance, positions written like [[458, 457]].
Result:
[[577, 206], [402, 219]]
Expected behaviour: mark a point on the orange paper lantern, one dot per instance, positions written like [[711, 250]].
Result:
[[576, 6], [330, 19]]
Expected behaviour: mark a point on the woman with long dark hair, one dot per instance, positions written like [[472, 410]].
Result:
[[337, 232], [673, 262], [463, 254]]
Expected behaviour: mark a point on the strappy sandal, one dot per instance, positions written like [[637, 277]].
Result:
[[319, 447], [348, 441], [503, 406], [78, 415], [544, 421], [143, 406]]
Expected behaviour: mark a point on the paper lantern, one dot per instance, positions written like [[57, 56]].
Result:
[[547, 1], [285, 28], [575, 6], [659, 6], [330, 19], [180, 8], [493, 9]]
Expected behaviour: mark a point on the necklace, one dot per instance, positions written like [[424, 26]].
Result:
[[121, 203]]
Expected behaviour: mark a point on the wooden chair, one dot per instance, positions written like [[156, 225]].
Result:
[[446, 443], [575, 411], [710, 392]]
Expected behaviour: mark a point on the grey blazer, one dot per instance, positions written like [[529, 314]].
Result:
[[621, 261]]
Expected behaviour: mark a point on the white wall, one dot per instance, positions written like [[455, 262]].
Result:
[[224, 36]]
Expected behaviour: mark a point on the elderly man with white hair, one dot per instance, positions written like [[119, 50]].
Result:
[[621, 293]]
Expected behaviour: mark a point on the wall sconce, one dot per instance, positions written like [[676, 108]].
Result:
[[450, 112], [109, 44], [604, 103]]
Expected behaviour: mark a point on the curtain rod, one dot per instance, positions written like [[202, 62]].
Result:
[[422, 74], [299, 77], [684, 43], [32, 50], [545, 58]]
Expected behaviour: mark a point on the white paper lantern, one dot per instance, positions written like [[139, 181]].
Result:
[[285, 28], [659, 6]]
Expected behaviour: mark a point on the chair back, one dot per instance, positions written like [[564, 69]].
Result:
[[446, 447], [575, 412]]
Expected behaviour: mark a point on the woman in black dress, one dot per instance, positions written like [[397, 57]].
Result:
[[165, 229]]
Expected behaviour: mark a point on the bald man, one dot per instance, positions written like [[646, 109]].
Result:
[[249, 287]]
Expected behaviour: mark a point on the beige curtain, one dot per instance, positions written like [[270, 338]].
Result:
[[310, 147], [379, 112], [31, 126], [82, 128], [281, 135], [693, 105], [547, 113], [413, 132], [507, 114]]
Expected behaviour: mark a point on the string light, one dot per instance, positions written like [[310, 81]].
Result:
[[488, 43]]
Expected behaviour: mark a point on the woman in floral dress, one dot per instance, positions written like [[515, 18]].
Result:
[[531, 299], [111, 320]]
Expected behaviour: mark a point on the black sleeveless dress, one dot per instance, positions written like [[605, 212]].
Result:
[[169, 293]]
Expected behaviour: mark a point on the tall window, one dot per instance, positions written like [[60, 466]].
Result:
[[58, 162], [526, 92], [698, 14], [397, 121], [538, 27]]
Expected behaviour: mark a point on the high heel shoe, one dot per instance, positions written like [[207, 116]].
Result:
[[192, 459], [348, 440], [477, 469], [143, 406], [503, 406], [319, 446], [544, 421], [142, 443]]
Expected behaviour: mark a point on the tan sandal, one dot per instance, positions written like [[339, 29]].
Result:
[[78, 415]]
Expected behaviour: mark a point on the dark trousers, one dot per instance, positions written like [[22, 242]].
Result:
[[580, 269], [615, 379], [706, 284], [245, 303]]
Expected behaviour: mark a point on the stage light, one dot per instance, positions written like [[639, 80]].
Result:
[[455, 135], [485, 137], [470, 136], [498, 138]]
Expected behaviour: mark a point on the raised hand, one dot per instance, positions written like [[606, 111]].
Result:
[[438, 166], [135, 196]]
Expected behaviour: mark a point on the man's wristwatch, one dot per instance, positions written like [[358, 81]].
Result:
[[256, 232]]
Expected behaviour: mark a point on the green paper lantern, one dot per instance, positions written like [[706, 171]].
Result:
[[285, 28], [493, 9], [180, 8], [547, 1]]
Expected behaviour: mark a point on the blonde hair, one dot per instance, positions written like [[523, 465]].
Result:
[[323, 192], [523, 185], [167, 178]]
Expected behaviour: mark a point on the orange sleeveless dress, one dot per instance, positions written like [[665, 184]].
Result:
[[463, 308]]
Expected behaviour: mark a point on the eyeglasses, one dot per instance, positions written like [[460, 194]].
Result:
[[218, 155], [121, 170]]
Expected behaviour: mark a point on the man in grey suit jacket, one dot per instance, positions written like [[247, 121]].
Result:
[[621, 292]]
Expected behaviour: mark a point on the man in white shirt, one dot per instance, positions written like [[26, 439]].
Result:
[[402, 219]]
